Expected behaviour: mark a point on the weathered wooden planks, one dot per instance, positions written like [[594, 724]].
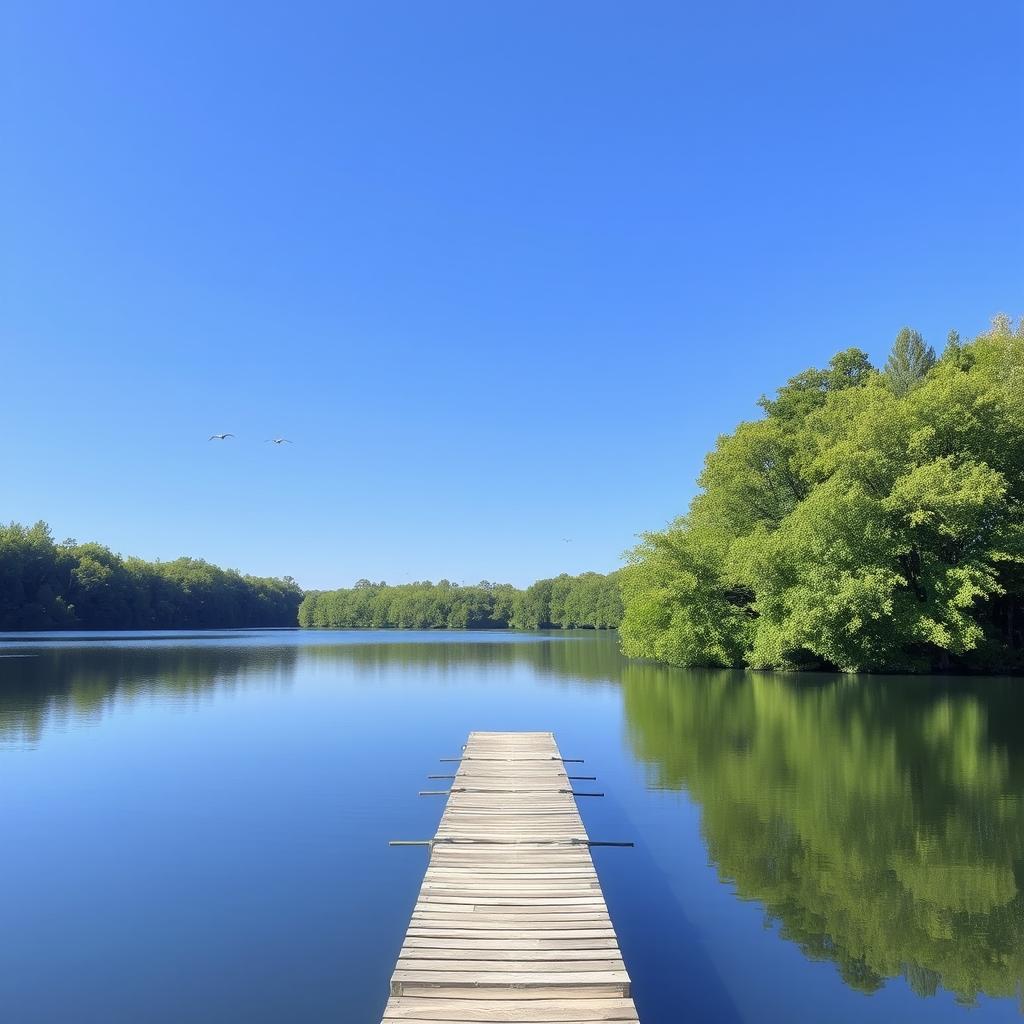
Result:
[[510, 924]]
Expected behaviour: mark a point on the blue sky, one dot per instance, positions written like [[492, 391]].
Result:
[[503, 271]]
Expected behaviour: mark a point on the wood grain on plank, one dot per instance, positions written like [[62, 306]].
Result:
[[510, 924]]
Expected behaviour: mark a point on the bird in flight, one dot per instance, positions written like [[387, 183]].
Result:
[[277, 440], [567, 540], [220, 437]]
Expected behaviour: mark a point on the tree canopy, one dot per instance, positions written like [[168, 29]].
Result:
[[46, 585], [590, 600], [67, 585], [908, 362], [871, 520]]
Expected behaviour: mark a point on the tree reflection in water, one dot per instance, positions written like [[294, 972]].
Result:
[[879, 821]]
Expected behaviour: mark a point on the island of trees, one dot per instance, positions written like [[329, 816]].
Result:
[[872, 519], [591, 600]]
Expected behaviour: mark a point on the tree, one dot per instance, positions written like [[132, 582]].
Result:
[[589, 601], [87, 586], [909, 361], [681, 606], [857, 526], [809, 390]]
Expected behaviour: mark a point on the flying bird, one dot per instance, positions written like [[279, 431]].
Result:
[[220, 437], [277, 440], [567, 540]]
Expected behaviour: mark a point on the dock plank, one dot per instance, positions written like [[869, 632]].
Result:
[[510, 924]]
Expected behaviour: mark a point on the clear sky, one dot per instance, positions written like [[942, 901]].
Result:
[[501, 270]]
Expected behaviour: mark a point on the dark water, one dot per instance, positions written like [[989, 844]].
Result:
[[194, 827]]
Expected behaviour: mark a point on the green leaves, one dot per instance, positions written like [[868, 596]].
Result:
[[64, 586], [908, 362], [681, 604], [589, 600], [860, 525]]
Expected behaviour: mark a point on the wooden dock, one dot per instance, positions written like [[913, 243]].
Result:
[[510, 923]]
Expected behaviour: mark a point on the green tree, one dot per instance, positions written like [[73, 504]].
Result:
[[908, 362], [861, 526], [808, 390], [44, 585], [591, 600]]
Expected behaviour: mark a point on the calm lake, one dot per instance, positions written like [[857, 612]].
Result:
[[195, 827]]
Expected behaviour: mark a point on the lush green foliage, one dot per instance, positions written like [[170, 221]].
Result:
[[441, 605], [909, 361], [44, 585], [566, 602], [868, 521], [590, 600]]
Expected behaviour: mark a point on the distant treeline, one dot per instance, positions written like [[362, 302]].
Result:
[[46, 585], [588, 601], [67, 585], [871, 520]]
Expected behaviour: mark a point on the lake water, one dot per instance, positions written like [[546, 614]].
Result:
[[195, 827]]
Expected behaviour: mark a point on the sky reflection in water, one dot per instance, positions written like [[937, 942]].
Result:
[[197, 824]]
